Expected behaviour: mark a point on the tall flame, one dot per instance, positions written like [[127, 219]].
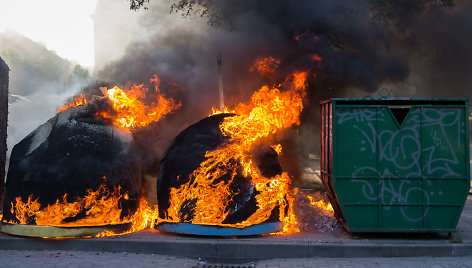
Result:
[[268, 111]]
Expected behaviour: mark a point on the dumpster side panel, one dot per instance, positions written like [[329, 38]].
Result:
[[326, 164], [403, 217], [399, 145], [356, 165], [443, 143], [445, 169], [355, 141], [400, 167]]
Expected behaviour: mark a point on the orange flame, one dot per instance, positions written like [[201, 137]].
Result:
[[277, 148], [218, 111], [268, 111], [130, 112], [327, 207], [144, 217], [78, 100], [101, 207], [266, 66], [316, 57]]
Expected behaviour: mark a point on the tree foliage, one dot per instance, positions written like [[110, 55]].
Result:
[[138, 4], [399, 12], [394, 12]]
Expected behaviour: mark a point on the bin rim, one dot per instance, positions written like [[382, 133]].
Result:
[[420, 101]]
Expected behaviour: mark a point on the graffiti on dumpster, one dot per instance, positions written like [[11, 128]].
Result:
[[389, 194], [427, 145], [360, 115]]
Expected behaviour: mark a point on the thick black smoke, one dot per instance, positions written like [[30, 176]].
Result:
[[351, 48]]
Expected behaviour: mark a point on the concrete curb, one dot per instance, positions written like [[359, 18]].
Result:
[[238, 251]]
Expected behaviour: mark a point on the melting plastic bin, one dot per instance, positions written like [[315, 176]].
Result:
[[396, 165]]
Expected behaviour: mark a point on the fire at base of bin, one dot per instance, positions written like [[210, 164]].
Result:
[[74, 171]]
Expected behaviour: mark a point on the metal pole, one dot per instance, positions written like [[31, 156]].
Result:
[[220, 81]]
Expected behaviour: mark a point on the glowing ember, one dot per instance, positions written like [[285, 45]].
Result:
[[79, 100], [266, 66], [316, 57], [277, 148], [130, 112], [268, 111]]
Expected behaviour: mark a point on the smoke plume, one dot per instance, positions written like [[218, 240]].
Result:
[[351, 49]]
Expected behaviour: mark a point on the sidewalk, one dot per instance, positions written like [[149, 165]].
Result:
[[239, 250]]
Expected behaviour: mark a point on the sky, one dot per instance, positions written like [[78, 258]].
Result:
[[63, 26]]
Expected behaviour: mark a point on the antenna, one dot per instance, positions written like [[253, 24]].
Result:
[[220, 81]]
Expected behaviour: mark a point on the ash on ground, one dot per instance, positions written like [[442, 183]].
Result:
[[311, 217]]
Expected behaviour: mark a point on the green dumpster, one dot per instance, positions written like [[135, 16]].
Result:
[[396, 165]]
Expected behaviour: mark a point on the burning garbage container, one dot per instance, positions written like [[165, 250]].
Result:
[[73, 176], [212, 199], [79, 174], [396, 165]]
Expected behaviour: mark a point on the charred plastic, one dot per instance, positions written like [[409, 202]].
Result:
[[72, 153], [187, 152]]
